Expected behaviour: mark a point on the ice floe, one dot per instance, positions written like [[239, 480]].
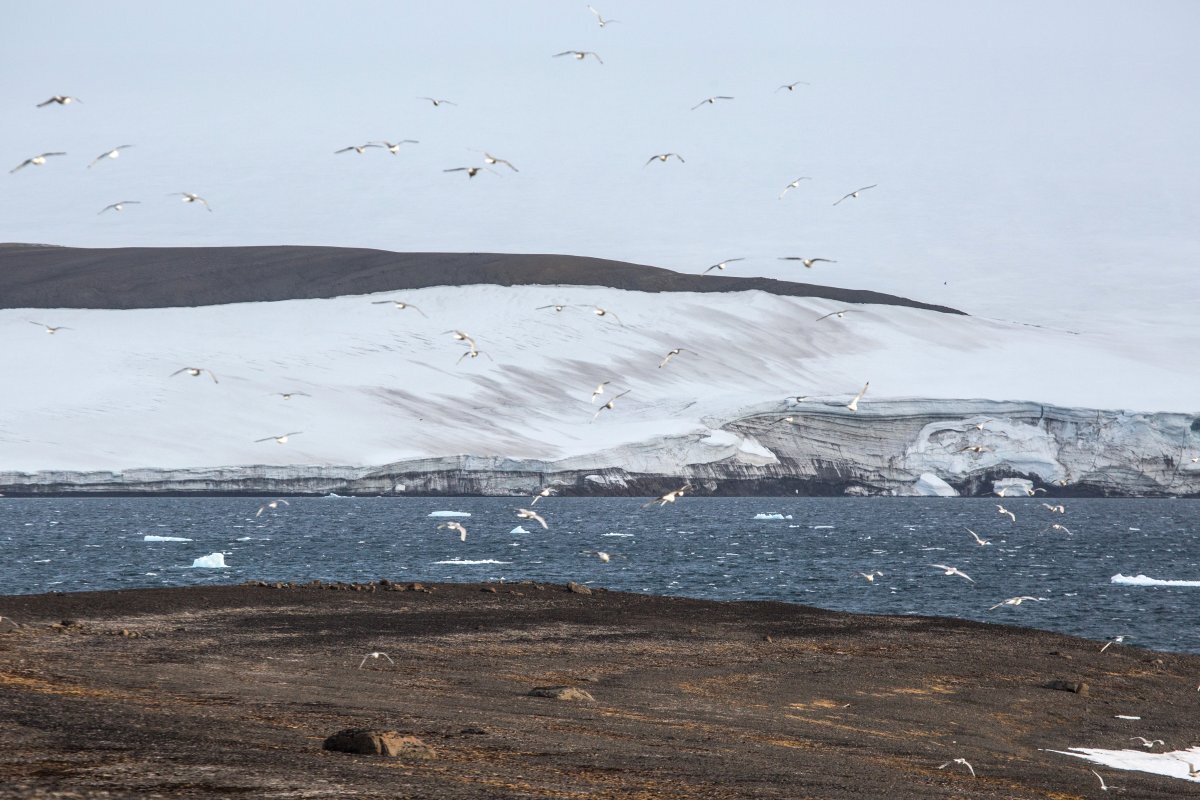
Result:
[[518, 529], [449, 513], [467, 561], [772, 516], [1142, 580], [211, 561], [153, 538]]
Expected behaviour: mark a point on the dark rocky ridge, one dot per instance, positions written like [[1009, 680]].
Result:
[[43, 276]]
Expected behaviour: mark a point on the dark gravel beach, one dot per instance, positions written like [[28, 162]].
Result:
[[213, 692]]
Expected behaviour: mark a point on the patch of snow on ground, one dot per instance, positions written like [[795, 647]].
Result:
[[1172, 765]]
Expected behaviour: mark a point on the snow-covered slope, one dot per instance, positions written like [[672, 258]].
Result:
[[391, 387]]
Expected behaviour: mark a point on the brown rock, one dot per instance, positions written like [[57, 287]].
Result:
[[491, 589], [578, 588], [366, 741], [560, 693], [1078, 687]]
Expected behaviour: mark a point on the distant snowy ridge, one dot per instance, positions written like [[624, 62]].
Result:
[[383, 398]]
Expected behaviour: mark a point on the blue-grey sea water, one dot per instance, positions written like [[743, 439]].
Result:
[[805, 550]]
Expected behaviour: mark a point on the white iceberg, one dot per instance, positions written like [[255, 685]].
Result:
[[153, 538], [1142, 580], [449, 513], [211, 561], [466, 561], [518, 529], [772, 515]]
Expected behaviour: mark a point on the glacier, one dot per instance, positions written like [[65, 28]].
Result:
[[390, 406]]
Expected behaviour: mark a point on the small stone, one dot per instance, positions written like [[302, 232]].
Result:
[[560, 693], [1078, 687], [416, 587], [366, 741], [474, 731], [578, 588]]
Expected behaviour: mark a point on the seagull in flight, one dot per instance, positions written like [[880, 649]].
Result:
[[978, 539], [599, 390], [472, 352], [975, 448], [358, 148], [457, 527], [1115, 640], [855, 192], [789, 420], [808, 262], [400, 304], [1006, 513], [36, 161], [601, 19], [119, 206], [525, 513], [51, 329], [1147, 743], [274, 504], [952, 571], [491, 159], [962, 761], [290, 395], [721, 265], [471, 171], [463, 337], [791, 87], [671, 354], [392, 147], [603, 312], [280, 439], [60, 99], [793, 185], [853, 404], [188, 197], [195, 372], [1060, 528], [663, 158], [711, 100], [1057, 509], [669, 497], [1103, 786], [437, 102], [545, 492], [1015, 601], [870, 576], [114, 153], [609, 405], [580, 55], [376, 656], [840, 314]]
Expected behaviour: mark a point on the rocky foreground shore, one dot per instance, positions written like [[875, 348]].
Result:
[[232, 691]]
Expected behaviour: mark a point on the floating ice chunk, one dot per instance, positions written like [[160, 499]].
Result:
[[152, 538], [518, 529], [211, 561], [449, 513], [1172, 765], [465, 561], [618, 534], [820, 527], [1142, 580], [772, 515]]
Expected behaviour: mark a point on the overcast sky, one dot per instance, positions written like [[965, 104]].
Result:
[[1035, 161]]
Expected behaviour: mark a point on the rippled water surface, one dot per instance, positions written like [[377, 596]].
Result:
[[699, 547]]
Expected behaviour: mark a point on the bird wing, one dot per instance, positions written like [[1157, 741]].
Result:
[[564, 53], [457, 169], [827, 316]]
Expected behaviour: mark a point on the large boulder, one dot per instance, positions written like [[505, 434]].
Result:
[[367, 741]]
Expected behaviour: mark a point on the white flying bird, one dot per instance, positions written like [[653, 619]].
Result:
[[720, 265], [60, 99], [791, 87], [290, 395], [599, 390], [471, 171], [1147, 743], [975, 448], [609, 405], [1057, 509], [953, 571], [394, 147], [840, 314], [808, 262], [358, 148], [376, 656], [663, 158], [793, 185], [671, 354], [1059, 528], [188, 197], [36, 161], [437, 102], [51, 329], [978, 540], [280, 439], [962, 761], [457, 527], [401, 305], [855, 192], [114, 153], [711, 100], [195, 372], [870, 576], [580, 55], [525, 513], [463, 337], [546, 492], [119, 206], [274, 504], [491, 159], [669, 497], [603, 312], [1115, 640], [1006, 513], [601, 20], [558, 307], [1015, 601], [853, 404]]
